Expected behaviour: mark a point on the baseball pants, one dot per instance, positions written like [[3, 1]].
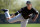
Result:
[[19, 17]]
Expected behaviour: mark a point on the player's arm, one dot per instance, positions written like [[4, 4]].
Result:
[[36, 15], [19, 11], [15, 14]]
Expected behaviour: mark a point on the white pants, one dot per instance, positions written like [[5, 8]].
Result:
[[19, 17]]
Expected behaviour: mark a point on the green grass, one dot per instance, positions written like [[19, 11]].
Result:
[[19, 25]]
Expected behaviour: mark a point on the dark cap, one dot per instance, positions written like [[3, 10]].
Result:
[[28, 2]]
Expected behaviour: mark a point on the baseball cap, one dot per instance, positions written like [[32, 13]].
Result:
[[28, 2]]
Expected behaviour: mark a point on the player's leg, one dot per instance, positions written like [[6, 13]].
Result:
[[6, 12], [14, 19], [7, 15], [24, 23]]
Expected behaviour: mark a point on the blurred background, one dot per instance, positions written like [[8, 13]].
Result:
[[15, 5]]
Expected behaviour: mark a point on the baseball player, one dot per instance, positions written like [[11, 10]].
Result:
[[22, 15]]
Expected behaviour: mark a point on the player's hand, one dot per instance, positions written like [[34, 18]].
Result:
[[36, 16], [13, 16], [33, 19]]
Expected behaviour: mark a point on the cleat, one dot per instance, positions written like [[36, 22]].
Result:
[[4, 10]]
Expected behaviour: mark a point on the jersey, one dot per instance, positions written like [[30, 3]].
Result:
[[27, 13]]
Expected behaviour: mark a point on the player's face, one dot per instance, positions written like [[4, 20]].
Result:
[[29, 6]]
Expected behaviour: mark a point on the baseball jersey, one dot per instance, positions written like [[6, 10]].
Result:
[[27, 13]]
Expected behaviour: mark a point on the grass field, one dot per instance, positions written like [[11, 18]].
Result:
[[19, 25]]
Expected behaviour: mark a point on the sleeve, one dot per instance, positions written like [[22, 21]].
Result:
[[19, 11], [16, 13], [35, 11]]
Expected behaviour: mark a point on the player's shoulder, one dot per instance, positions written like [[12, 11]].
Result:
[[35, 10]]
